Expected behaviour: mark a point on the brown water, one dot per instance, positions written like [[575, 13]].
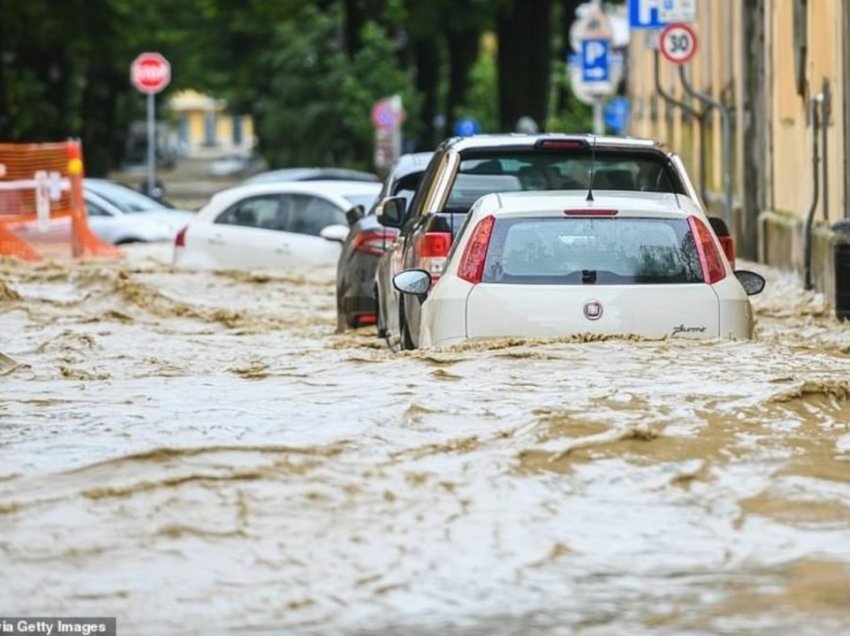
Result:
[[199, 453]]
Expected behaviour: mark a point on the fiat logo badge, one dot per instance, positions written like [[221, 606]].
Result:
[[593, 310]]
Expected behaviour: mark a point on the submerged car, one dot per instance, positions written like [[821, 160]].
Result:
[[356, 292], [465, 169], [117, 214], [547, 265], [311, 174], [275, 225]]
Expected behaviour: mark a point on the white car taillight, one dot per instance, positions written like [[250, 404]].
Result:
[[180, 239], [433, 249], [471, 267]]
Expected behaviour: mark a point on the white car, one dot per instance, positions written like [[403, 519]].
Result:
[[116, 214], [272, 225], [548, 265]]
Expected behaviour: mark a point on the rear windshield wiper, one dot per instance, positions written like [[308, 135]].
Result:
[[588, 276]]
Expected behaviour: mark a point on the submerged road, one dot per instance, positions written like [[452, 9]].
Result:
[[200, 453]]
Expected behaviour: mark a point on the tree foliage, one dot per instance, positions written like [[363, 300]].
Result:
[[317, 107], [308, 70]]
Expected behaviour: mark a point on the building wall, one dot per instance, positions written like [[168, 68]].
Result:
[[713, 71], [792, 185], [719, 69], [199, 115]]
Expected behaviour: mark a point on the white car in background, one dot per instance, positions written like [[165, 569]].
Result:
[[547, 265], [272, 225], [118, 214]]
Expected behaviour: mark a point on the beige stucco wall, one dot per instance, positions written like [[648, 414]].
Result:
[[718, 69], [792, 133], [715, 70]]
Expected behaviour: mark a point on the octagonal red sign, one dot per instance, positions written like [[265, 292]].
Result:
[[150, 72]]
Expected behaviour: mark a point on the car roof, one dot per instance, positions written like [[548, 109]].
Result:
[[414, 160], [311, 174], [410, 164], [328, 189], [520, 140], [339, 188], [106, 184], [664, 204]]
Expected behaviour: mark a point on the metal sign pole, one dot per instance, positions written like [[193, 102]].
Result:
[[598, 115], [726, 141], [151, 144]]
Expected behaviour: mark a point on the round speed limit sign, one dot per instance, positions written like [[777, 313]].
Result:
[[678, 43]]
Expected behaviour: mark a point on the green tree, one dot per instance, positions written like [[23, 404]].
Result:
[[64, 67], [317, 109]]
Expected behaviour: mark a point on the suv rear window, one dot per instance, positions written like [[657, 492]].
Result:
[[558, 170], [581, 251]]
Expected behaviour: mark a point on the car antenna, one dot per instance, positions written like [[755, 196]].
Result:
[[592, 166]]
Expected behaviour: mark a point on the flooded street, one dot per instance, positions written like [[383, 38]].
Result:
[[200, 453]]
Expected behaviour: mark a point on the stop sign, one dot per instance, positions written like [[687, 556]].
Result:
[[150, 73]]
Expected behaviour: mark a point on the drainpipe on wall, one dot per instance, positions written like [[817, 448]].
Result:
[[692, 112], [826, 108], [810, 219], [726, 140]]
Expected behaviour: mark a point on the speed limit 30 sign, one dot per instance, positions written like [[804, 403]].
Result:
[[678, 43]]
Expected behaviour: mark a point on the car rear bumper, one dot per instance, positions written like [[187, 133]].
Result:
[[354, 306], [358, 295]]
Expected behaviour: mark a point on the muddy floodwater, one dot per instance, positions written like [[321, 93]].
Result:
[[199, 453]]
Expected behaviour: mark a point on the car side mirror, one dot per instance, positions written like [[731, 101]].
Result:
[[751, 282], [355, 214], [390, 212], [413, 282], [335, 233]]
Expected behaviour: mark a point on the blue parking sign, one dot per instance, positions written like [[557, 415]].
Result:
[[657, 14], [594, 60]]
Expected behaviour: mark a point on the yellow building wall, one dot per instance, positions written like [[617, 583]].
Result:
[[717, 69], [195, 108], [710, 71], [196, 127], [793, 185], [224, 129]]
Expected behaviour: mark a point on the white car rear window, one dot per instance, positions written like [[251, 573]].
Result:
[[578, 251]]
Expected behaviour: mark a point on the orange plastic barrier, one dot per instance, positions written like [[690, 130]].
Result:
[[41, 201]]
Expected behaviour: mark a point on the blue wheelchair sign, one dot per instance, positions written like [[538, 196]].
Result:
[[595, 65]]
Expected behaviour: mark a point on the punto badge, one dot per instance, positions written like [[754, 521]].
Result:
[[593, 310]]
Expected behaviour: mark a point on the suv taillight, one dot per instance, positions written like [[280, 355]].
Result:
[[713, 267], [433, 249], [471, 267], [374, 242], [728, 245], [180, 239]]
